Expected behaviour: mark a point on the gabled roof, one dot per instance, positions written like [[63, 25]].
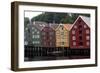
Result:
[[84, 18], [59, 26], [53, 26], [39, 25], [67, 26]]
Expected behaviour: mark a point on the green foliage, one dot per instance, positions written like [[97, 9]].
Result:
[[26, 21], [53, 17]]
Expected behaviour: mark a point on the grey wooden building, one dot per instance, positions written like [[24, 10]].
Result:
[[37, 26]]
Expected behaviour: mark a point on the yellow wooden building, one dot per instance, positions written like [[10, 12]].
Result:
[[62, 35]]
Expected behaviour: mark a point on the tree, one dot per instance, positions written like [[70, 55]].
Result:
[[54, 17], [26, 21]]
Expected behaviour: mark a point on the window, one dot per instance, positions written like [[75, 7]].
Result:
[[80, 31], [45, 43], [80, 26], [87, 31], [49, 29], [33, 36], [26, 43], [38, 36], [74, 43], [44, 37], [32, 27], [74, 38], [33, 42], [79, 21], [37, 32], [80, 37], [43, 33], [32, 32], [63, 37], [62, 28], [73, 31], [87, 43], [26, 28], [50, 44], [75, 26], [87, 37], [62, 43], [37, 42], [81, 43], [50, 38], [57, 32], [85, 26], [29, 31], [62, 33], [51, 33]]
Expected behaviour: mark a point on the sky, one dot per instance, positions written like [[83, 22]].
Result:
[[31, 14]]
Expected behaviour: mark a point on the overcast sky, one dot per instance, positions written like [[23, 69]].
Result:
[[31, 14]]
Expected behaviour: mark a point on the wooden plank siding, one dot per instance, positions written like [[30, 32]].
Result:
[[48, 37], [80, 34], [62, 36]]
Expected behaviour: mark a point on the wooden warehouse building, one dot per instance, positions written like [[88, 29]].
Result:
[[62, 35], [48, 37], [37, 26], [80, 33]]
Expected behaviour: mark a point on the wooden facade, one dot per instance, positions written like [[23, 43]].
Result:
[[76, 35], [48, 37], [27, 34], [62, 36], [36, 33], [80, 33]]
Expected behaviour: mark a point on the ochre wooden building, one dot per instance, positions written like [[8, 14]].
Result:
[[62, 35]]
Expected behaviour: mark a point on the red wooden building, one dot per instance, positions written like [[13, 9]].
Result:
[[48, 37], [80, 33]]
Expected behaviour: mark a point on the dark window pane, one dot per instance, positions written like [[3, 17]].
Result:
[[81, 43], [80, 26], [62, 28], [80, 37], [80, 31], [79, 21]]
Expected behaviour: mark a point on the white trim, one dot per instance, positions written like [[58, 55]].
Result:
[[84, 19], [80, 16], [74, 23]]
